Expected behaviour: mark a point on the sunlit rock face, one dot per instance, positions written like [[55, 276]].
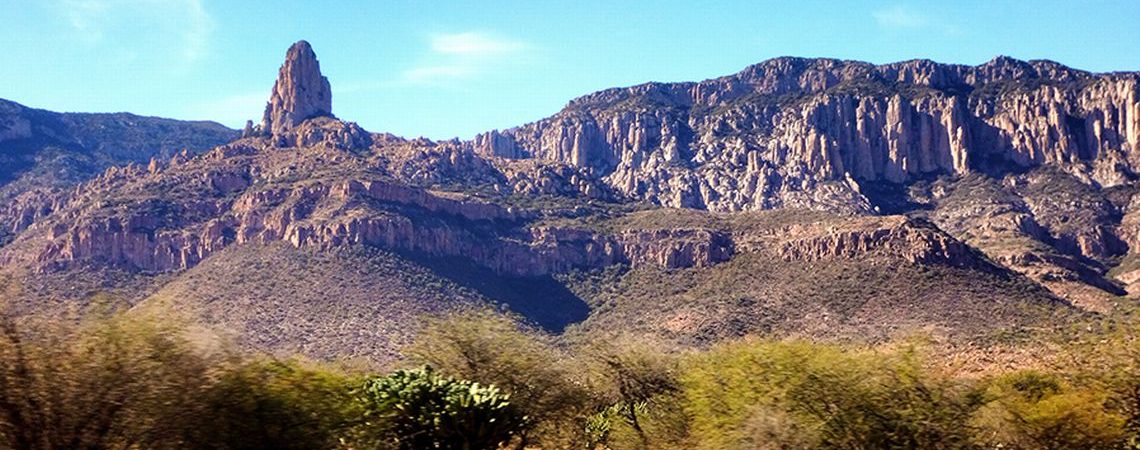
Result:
[[301, 92], [804, 132]]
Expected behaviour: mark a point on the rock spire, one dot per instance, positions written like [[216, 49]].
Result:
[[301, 92]]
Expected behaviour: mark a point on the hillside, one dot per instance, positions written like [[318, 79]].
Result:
[[812, 198], [46, 149]]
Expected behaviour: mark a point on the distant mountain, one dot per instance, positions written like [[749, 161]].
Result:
[[46, 149], [818, 198]]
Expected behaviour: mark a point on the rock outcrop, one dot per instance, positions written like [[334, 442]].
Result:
[[902, 193], [764, 137], [404, 219], [301, 92], [973, 155]]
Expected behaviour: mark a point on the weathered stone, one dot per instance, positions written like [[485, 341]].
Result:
[[301, 92], [773, 134]]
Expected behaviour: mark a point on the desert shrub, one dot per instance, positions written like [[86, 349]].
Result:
[[421, 409], [802, 395], [110, 381], [1034, 410], [1109, 362], [543, 381], [274, 404], [636, 379]]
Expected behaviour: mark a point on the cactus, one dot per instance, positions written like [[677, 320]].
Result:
[[421, 409]]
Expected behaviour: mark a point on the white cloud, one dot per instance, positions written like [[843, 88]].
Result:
[[900, 17], [473, 44], [196, 37], [186, 21], [455, 56]]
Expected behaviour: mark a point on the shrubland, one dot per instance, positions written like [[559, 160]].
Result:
[[482, 380]]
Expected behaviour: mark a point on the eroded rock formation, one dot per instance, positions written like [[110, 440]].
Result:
[[756, 139], [548, 197], [301, 92]]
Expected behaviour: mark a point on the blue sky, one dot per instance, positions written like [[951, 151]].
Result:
[[444, 69]]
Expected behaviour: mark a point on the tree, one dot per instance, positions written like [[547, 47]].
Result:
[[1035, 410], [638, 382], [274, 404]]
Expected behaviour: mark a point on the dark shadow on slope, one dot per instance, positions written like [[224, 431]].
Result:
[[894, 198], [543, 300]]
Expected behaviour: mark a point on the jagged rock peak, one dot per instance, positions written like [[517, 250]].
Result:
[[301, 92]]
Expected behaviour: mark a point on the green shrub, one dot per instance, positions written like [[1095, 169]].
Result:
[[1034, 410], [544, 382], [271, 404], [420, 409], [752, 394]]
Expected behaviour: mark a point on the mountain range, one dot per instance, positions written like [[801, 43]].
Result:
[[799, 197]]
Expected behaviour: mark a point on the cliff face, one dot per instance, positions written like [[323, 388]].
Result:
[[135, 219], [787, 133], [760, 138], [301, 92], [813, 197]]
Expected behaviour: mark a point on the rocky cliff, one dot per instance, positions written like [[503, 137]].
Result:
[[812, 196], [807, 132], [301, 92], [171, 217]]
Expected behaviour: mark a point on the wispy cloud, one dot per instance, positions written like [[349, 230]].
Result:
[[900, 17], [455, 56], [185, 21], [473, 44]]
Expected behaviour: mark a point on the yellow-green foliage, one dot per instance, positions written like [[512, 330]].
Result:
[[802, 395], [1034, 410], [127, 381], [108, 382], [491, 349], [637, 380], [273, 404]]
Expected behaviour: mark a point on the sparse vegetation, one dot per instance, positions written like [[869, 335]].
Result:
[[134, 380]]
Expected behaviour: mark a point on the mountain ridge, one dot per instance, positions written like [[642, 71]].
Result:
[[797, 198]]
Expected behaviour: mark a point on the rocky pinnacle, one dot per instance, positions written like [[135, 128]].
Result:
[[301, 92]]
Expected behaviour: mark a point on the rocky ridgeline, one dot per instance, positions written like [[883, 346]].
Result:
[[326, 216], [416, 221], [751, 140], [171, 216], [915, 241], [786, 133]]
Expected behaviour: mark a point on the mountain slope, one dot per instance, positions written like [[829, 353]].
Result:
[[907, 197], [778, 132], [856, 138], [45, 149], [43, 153]]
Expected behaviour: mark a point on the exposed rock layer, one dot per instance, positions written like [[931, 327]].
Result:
[[760, 138], [541, 199]]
